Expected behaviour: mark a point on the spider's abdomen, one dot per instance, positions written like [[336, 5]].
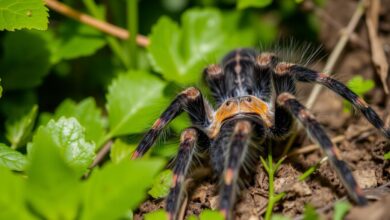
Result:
[[238, 67]]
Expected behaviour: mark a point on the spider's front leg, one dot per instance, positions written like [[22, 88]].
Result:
[[191, 101], [319, 136], [190, 140], [236, 152]]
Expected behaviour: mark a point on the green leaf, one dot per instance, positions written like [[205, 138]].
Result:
[[68, 136], [76, 40], [161, 184], [12, 159], [112, 190], [253, 3], [26, 60], [341, 208], [132, 101], [360, 86], [310, 213], [18, 14], [279, 217], [387, 156], [12, 199], [87, 113], [210, 215], [19, 131], [121, 151], [180, 54], [53, 187], [156, 215]]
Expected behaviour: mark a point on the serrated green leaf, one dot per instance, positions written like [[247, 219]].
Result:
[[68, 136], [180, 54], [18, 14], [121, 151], [53, 187], [210, 215], [156, 215], [341, 208], [12, 199], [134, 100], [26, 60], [19, 131], [161, 184], [12, 159], [241, 4], [87, 114], [112, 190], [76, 40]]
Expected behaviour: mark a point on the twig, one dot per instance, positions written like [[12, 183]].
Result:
[[334, 56], [331, 62], [101, 154], [93, 22]]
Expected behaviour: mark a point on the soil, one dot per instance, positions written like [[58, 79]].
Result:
[[362, 147]]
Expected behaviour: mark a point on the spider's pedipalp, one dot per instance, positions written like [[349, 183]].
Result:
[[304, 74], [191, 101], [184, 159], [319, 136]]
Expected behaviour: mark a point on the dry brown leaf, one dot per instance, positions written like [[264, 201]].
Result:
[[377, 53]]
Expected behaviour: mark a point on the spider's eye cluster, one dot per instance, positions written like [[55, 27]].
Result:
[[228, 103], [248, 99]]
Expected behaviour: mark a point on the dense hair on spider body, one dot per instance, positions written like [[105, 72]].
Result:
[[256, 103]]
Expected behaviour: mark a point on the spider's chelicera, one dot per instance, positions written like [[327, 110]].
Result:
[[255, 101]]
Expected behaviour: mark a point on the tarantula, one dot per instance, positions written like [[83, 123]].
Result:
[[254, 94]]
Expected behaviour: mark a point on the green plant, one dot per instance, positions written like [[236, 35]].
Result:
[[360, 86]]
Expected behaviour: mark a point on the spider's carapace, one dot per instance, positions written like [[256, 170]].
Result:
[[255, 101]]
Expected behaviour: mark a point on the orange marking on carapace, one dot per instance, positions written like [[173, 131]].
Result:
[[282, 68], [241, 105], [229, 176]]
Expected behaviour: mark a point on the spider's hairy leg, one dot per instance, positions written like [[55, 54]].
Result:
[[265, 64], [304, 74], [319, 136], [189, 140], [191, 101], [236, 152], [215, 79]]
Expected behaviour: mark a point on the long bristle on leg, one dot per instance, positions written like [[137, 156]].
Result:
[[237, 149], [319, 136], [184, 159], [191, 101], [304, 74]]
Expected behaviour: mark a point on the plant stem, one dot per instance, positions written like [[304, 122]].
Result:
[[112, 42], [132, 26]]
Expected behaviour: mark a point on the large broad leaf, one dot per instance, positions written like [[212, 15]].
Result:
[[121, 151], [12, 159], [75, 40], [87, 113], [67, 135], [19, 131], [111, 191], [12, 199], [17, 14], [180, 54], [53, 187], [161, 184], [26, 60], [134, 100]]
